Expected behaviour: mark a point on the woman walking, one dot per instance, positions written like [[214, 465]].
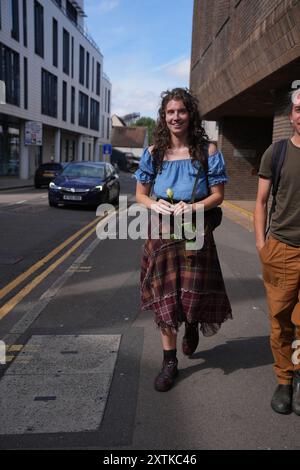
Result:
[[181, 285]]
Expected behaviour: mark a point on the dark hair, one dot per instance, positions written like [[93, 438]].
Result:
[[197, 138]]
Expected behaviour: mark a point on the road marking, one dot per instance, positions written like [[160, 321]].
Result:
[[238, 208], [21, 202], [13, 284], [9, 305]]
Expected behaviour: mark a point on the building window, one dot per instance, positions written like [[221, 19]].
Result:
[[66, 52], [93, 67], [98, 79], [39, 28], [10, 74], [102, 128], [55, 42], [71, 12], [83, 151], [107, 130], [81, 65], [83, 114], [108, 101], [64, 101], [25, 22], [15, 19], [94, 118], [25, 83], [87, 70], [73, 105], [72, 57], [49, 94]]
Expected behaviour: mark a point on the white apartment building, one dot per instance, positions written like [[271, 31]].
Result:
[[51, 74]]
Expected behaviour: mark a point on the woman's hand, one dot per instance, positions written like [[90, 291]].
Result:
[[182, 207], [162, 207]]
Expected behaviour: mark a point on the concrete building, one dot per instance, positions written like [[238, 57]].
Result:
[[245, 57], [51, 75]]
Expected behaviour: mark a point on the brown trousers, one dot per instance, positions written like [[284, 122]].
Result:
[[281, 273]]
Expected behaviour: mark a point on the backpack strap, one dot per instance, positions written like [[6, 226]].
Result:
[[278, 156]]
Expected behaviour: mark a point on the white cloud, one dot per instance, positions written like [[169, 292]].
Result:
[[103, 6], [181, 69]]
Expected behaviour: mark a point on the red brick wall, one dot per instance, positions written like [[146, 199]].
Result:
[[255, 39], [237, 137]]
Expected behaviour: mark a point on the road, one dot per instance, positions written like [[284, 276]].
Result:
[[81, 357]]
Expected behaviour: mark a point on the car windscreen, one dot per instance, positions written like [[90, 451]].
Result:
[[85, 171]]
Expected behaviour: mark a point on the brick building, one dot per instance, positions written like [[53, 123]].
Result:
[[245, 56]]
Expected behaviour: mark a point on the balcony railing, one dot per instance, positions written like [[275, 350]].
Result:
[[80, 29], [106, 77]]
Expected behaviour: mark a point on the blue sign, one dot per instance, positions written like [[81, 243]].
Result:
[[107, 149]]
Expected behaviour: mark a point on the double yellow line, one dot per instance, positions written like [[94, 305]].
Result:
[[10, 304]]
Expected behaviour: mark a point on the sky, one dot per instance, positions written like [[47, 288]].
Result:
[[146, 46]]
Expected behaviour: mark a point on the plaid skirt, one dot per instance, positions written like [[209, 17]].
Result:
[[182, 285]]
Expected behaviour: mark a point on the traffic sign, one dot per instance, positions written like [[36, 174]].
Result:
[[107, 149]]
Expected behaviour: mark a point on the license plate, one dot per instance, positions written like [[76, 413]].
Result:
[[72, 198], [48, 173]]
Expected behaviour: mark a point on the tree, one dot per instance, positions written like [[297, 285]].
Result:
[[146, 122]]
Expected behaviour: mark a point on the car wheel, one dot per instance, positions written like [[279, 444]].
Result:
[[105, 197], [53, 204], [116, 199]]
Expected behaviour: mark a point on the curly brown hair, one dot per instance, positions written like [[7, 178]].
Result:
[[197, 138]]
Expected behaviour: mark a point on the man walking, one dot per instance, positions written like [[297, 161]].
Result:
[[280, 257]]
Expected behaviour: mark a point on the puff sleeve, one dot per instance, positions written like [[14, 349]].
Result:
[[216, 169], [145, 173]]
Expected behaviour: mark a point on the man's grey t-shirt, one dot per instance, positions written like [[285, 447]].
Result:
[[285, 225]]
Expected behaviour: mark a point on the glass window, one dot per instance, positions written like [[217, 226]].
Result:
[[81, 65], [15, 19], [49, 94], [55, 42], [10, 74], [39, 28], [66, 52]]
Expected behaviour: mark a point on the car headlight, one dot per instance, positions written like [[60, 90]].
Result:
[[98, 188], [53, 186]]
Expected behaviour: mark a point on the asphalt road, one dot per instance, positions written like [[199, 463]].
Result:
[[81, 358]]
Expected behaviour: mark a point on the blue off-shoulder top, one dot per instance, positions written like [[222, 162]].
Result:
[[179, 175]]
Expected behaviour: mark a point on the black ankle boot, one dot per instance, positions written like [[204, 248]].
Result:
[[165, 379], [296, 392], [282, 399], [191, 339]]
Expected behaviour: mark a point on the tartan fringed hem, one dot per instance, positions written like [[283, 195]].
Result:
[[181, 288]]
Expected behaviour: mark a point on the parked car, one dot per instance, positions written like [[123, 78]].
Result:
[[46, 173], [132, 161], [118, 159], [85, 183]]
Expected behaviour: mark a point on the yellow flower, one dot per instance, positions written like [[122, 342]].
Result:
[[170, 193]]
